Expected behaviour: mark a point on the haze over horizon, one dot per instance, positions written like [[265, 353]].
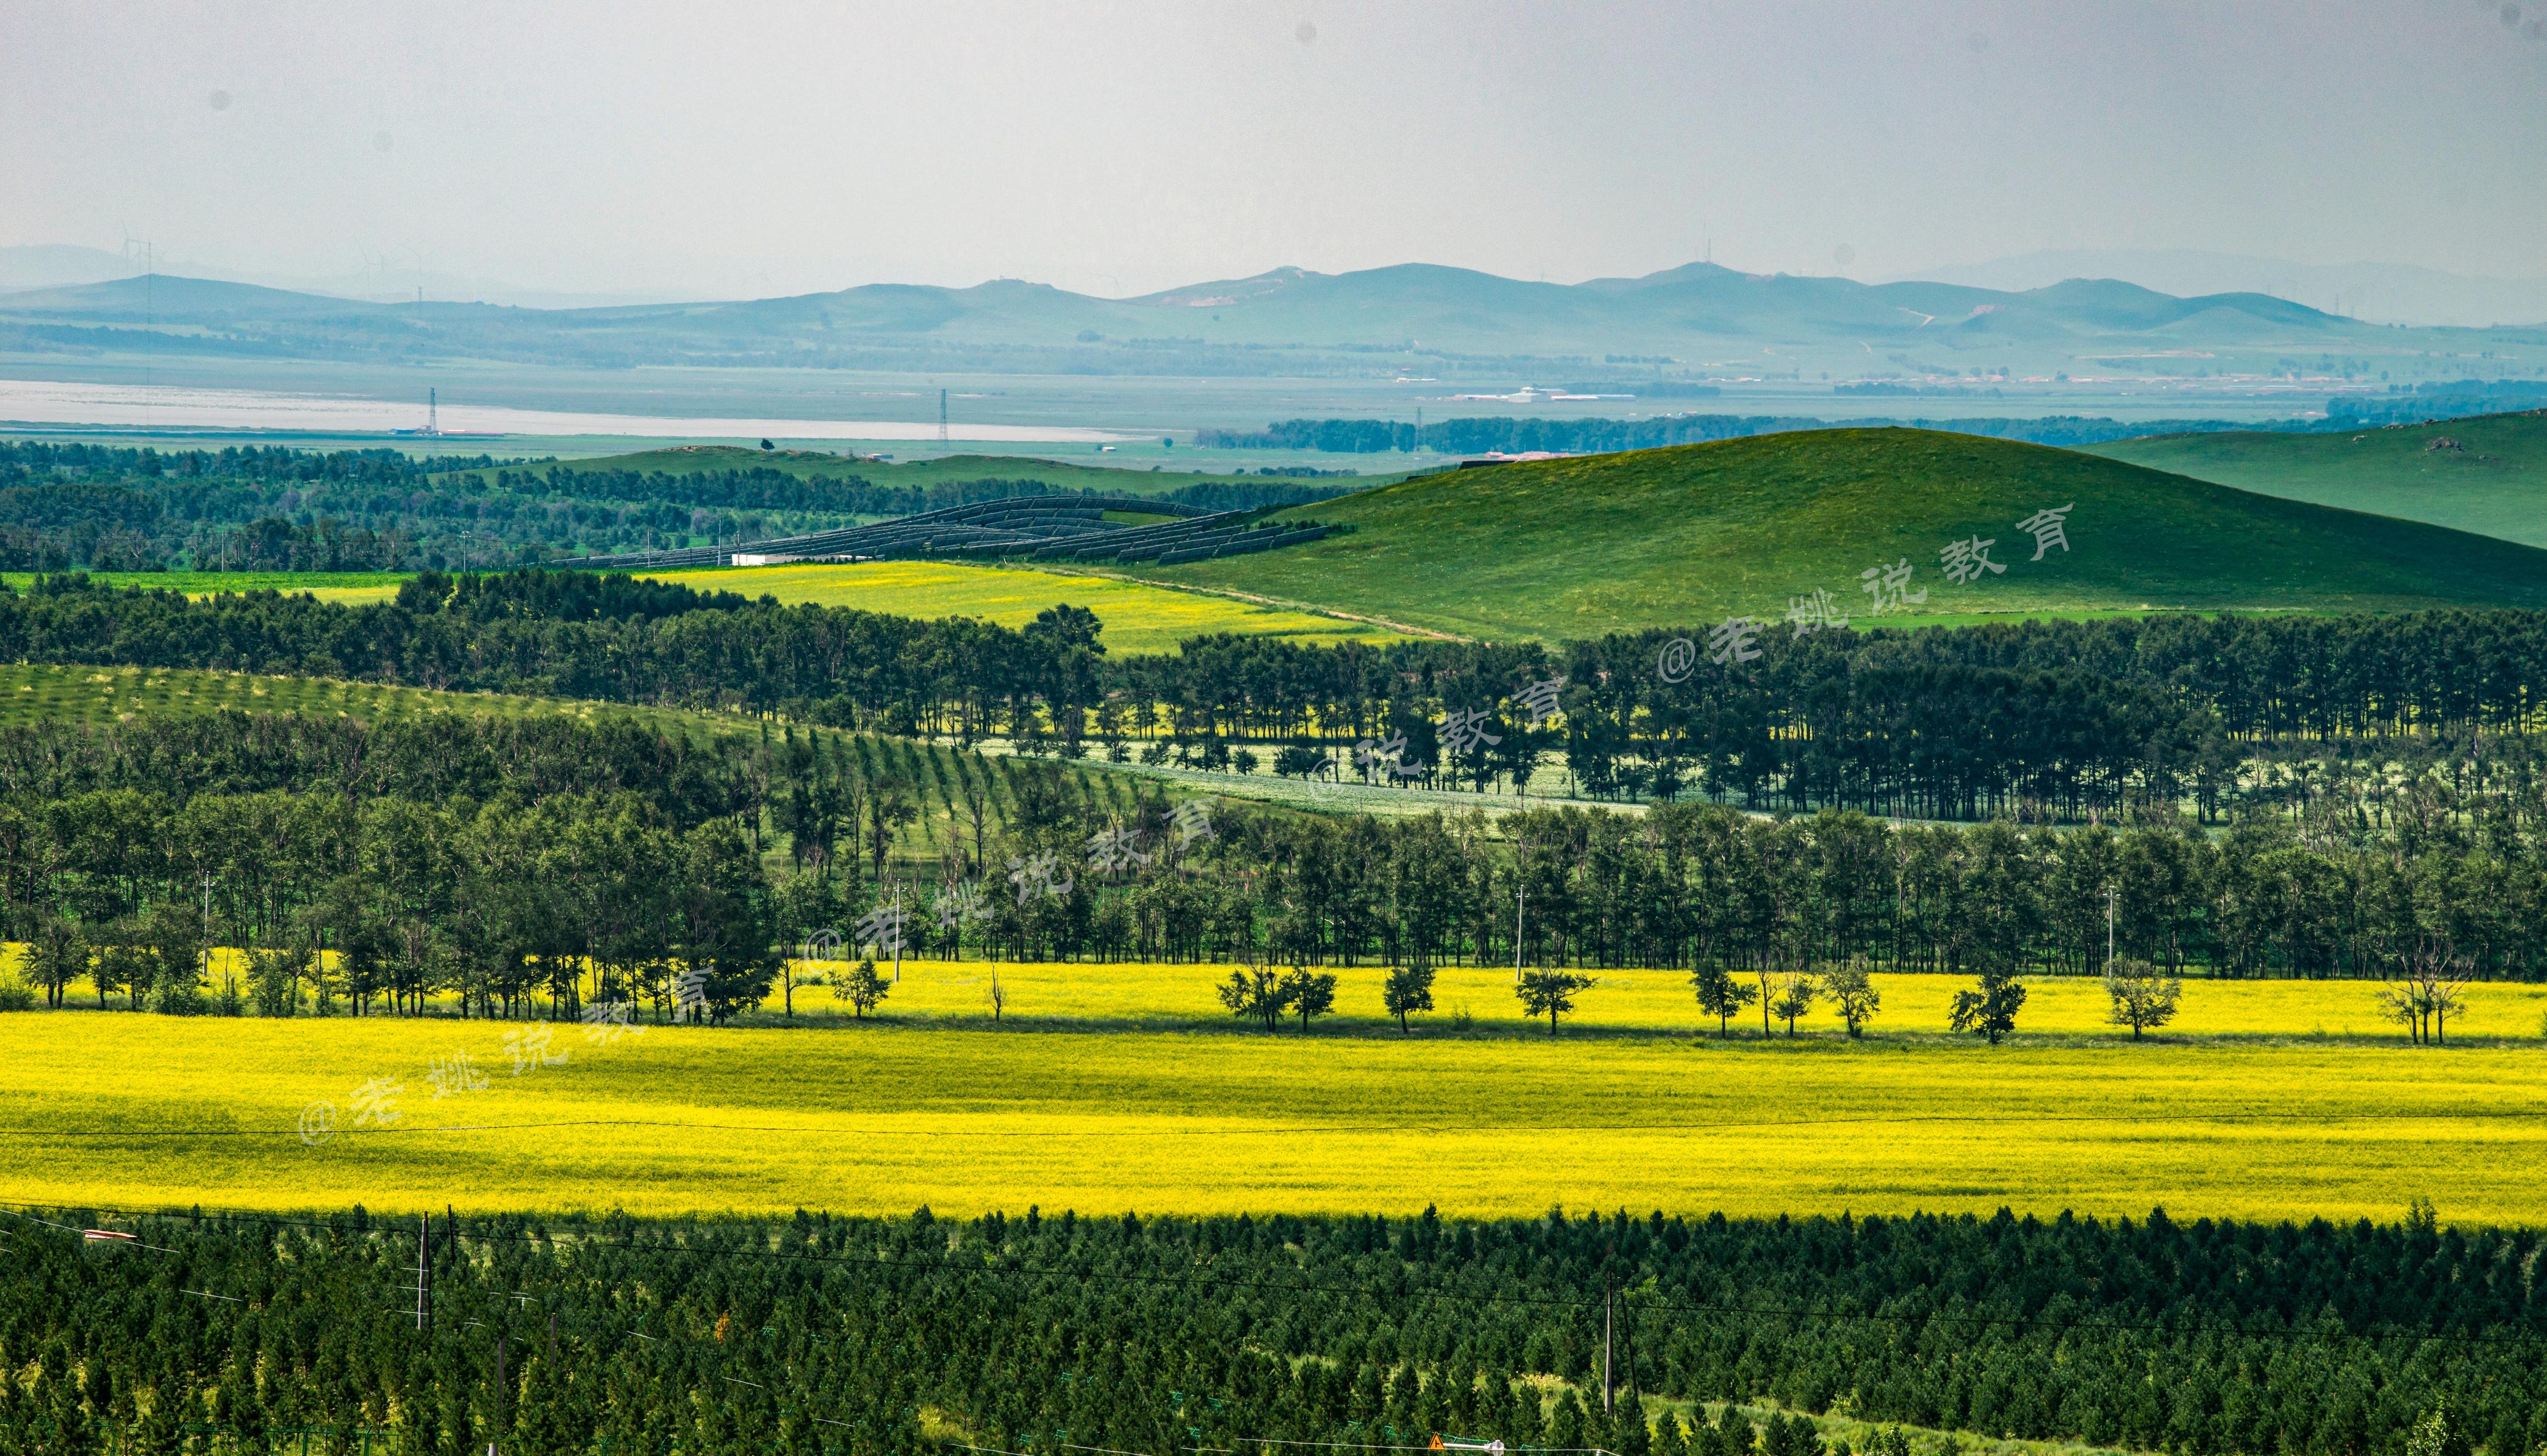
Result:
[[1119, 149]]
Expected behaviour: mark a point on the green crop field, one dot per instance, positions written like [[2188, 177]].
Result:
[[30, 692], [114, 1108], [350, 587], [1679, 537], [2486, 475], [1138, 618]]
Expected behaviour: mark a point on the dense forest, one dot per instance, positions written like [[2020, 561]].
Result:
[[493, 865], [272, 509], [2040, 720], [1044, 1334]]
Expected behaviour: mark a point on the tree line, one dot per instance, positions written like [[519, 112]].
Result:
[[490, 860], [255, 508], [1046, 1333], [2045, 719], [1514, 434], [2038, 720]]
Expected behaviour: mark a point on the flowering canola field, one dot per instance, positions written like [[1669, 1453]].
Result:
[[142, 1110]]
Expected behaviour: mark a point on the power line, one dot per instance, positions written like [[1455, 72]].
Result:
[[1376, 1293]]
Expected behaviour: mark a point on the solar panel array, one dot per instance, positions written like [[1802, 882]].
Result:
[[1039, 528]]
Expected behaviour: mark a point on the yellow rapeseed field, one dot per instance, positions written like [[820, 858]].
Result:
[[1138, 618], [1654, 1001], [133, 1110]]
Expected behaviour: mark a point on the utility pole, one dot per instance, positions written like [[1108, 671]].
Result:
[[941, 417], [1609, 1298], [498, 1435], [2109, 930], [423, 1267], [897, 932], [1520, 902]]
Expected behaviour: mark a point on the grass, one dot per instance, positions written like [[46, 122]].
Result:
[[2494, 482], [1690, 535], [123, 1109], [76, 694], [353, 588], [1138, 618]]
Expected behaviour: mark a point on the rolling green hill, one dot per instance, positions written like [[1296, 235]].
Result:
[[1674, 538], [2487, 474]]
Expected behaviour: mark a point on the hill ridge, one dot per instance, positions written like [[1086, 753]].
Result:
[[1691, 535]]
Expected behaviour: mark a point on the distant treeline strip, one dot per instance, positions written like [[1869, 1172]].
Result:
[[1482, 434], [111, 508]]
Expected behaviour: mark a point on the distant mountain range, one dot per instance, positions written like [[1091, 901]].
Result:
[[63, 265], [1694, 322], [2377, 293]]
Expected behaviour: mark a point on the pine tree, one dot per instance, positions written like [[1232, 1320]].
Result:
[[1628, 1433], [1565, 1427]]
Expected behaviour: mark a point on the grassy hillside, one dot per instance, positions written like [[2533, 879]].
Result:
[[2487, 474], [1679, 537]]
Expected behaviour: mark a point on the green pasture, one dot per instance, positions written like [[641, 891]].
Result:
[[1675, 538], [2487, 474]]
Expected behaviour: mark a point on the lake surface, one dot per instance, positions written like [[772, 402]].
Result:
[[181, 408]]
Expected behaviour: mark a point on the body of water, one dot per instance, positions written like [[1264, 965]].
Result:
[[179, 408]]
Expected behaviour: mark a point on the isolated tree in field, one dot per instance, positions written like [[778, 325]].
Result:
[[1409, 989], [862, 989], [1255, 996], [1720, 994], [1550, 993], [2425, 989], [1796, 991], [1853, 993], [1309, 992], [56, 955], [2143, 996], [1989, 1009]]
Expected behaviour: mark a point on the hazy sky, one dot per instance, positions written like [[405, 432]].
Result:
[[729, 149]]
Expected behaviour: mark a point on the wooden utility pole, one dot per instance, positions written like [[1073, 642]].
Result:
[[423, 1266], [1609, 1300], [493, 1447]]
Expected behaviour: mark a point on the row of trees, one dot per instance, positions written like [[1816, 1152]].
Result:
[[391, 905], [437, 830], [2052, 719], [255, 508], [1045, 1335]]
